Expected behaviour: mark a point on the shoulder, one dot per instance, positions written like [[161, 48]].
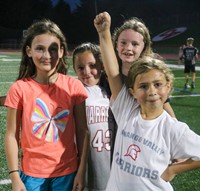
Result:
[[175, 125], [169, 119], [124, 101], [97, 92], [69, 79], [21, 84], [73, 85]]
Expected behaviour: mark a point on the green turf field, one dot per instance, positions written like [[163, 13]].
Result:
[[186, 104]]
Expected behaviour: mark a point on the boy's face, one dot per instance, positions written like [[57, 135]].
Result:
[[86, 68], [151, 90]]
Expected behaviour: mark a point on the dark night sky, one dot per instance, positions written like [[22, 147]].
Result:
[[73, 3]]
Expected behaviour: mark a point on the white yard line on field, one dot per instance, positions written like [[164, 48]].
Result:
[[5, 182], [181, 66], [193, 95]]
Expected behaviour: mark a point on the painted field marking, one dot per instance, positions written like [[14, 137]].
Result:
[[177, 96], [10, 59], [5, 182]]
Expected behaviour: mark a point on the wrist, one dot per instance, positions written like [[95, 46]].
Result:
[[13, 171]]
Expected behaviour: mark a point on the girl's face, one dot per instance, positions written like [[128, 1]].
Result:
[[151, 90], [45, 52], [130, 45], [86, 68]]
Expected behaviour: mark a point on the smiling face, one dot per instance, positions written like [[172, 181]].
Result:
[[86, 68], [45, 52], [130, 45], [151, 90]]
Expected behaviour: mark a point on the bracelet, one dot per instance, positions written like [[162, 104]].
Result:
[[13, 171]]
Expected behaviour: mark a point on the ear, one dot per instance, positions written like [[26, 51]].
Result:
[[116, 45], [169, 86], [28, 51], [130, 90], [61, 52]]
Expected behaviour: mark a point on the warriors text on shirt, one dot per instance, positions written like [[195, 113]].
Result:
[[97, 114], [136, 170]]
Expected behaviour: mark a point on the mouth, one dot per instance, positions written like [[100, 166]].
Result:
[[47, 62], [153, 100], [128, 54], [87, 77]]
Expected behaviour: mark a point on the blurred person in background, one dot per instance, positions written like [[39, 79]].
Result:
[[190, 56]]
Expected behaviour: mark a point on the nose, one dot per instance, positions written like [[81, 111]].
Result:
[[46, 54], [129, 46], [86, 70], [152, 90]]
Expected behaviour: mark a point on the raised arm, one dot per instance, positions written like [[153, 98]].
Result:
[[102, 24]]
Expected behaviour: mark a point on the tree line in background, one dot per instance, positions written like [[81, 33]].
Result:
[[17, 15]]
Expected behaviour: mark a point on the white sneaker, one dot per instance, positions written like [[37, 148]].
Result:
[[187, 86]]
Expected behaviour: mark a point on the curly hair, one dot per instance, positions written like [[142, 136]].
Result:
[[145, 64]]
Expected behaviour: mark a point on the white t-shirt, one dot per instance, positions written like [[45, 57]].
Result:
[[144, 148], [98, 171]]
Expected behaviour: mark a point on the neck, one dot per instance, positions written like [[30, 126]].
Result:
[[125, 68], [150, 114], [45, 79]]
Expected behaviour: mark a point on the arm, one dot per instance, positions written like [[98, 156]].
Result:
[[82, 138], [2, 100], [196, 56], [177, 168], [167, 107], [102, 23], [12, 147]]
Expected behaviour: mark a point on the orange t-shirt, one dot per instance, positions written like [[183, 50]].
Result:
[[48, 129]]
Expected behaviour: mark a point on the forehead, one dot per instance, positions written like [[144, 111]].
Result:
[[150, 76], [45, 40], [85, 57], [131, 35]]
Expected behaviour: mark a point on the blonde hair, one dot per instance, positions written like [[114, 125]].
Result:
[[137, 25], [146, 64], [190, 40]]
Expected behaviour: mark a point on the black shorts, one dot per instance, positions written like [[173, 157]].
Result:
[[189, 68]]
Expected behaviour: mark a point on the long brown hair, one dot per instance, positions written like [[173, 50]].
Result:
[[27, 67]]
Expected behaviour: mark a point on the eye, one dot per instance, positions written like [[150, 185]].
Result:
[[143, 86], [53, 49], [40, 49], [92, 66], [123, 42], [135, 44], [158, 84], [80, 68]]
